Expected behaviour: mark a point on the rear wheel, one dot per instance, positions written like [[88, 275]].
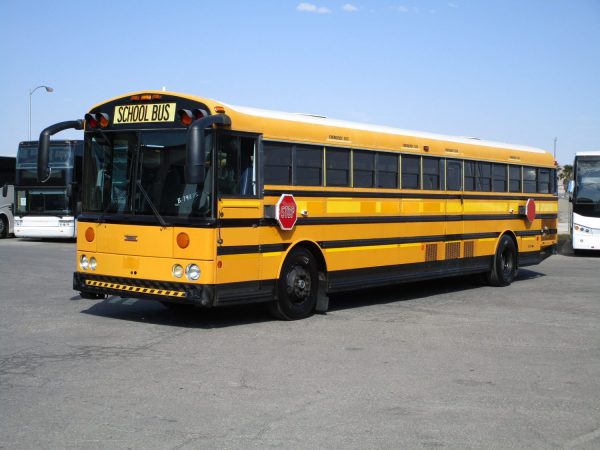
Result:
[[297, 287], [3, 227], [504, 266]]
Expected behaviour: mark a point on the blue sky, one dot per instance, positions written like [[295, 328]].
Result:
[[518, 71]]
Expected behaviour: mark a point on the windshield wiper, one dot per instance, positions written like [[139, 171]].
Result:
[[154, 210]]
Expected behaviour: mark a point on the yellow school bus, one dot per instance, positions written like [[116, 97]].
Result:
[[188, 200]]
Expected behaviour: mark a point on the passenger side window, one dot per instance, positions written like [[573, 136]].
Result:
[[387, 170], [432, 173], [308, 165], [278, 163], [484, 177], [544, 184], [499, 177], [338, 166], [514, 178], [453, 175], [364, 169], [411, 172], [529, 179], [469, 175]]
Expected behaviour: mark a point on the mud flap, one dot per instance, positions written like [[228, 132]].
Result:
[[322, 298]]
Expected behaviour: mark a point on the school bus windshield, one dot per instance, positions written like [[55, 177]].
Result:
[[135, 172]]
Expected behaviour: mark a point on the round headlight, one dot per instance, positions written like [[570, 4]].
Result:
[[93, 263], [83, 262], [192, 272], [177, 271]]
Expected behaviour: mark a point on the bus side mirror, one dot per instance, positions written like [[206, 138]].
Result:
[[5, 190], [196, 146]]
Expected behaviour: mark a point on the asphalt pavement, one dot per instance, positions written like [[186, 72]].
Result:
[[451, 363]]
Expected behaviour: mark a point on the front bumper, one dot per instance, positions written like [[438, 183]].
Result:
[[201, 295]]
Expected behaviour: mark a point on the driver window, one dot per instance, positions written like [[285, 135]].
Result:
[[235, 164]]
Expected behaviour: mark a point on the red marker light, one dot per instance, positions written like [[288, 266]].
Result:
[[185, 117], [91, 120], [199, 114]]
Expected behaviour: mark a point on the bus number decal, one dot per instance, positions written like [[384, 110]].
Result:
[[157, 112]]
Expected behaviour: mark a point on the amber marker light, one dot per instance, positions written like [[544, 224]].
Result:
[[103, 120], [183, 240], [89, 234], [219, 110]]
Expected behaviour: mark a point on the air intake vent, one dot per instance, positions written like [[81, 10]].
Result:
[[431, 252], [453, 250], [469, 249]]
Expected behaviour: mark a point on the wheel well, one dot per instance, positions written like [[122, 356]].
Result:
[[513, 237], [316, 251]]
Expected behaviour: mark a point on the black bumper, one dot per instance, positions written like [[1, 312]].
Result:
[[201, 295]]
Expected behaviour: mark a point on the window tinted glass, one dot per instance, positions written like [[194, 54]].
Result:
[[278, 163], [484, 177], [544, 185], [364, 165], [431, 173], [387, 170], [469, 175], [411, 172], [453, 175], [529, 179], [499, 177], [514, 175], [308, 165], [338, 166]]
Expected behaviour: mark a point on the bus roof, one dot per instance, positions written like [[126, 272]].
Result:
[[320, 120], [596, 153]]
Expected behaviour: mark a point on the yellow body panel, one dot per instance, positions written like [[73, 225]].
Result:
[[235, 254]]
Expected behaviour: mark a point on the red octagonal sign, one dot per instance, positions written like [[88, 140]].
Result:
[[530, 210], [286, 211]]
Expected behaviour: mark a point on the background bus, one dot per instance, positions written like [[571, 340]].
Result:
[[48, 209], [188, 200], [584, 195], [7, 195]]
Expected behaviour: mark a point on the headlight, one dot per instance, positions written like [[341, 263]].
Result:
[[192, 272], [83, 262], [581, 228], [18, 223], [177, 271], [93, 263]]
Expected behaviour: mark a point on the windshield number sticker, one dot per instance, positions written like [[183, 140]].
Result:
[[155, 112]]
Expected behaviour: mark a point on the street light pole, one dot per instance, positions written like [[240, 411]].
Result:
[[555, 139], [31, 91]]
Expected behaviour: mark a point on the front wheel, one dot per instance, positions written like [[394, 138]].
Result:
[[504, 266], [3, 228], [297, 286]]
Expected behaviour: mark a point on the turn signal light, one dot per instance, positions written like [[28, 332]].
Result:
[[89, 234], [183, 240]]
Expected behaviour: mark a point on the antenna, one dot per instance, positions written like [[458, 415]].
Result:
[[164, 88]]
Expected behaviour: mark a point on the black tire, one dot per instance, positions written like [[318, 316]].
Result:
[[504, 266], [3, 227], [297, 287]]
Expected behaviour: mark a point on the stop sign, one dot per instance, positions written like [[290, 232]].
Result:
[[285, 212], [530, 210]]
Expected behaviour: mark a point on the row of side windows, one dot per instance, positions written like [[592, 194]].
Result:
[[302, 165]]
